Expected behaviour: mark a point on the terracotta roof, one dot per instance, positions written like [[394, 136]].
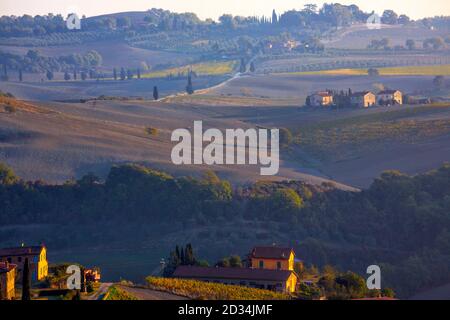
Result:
[[387, 92], [6, 267], [360, 94], [271, 253], [21, 251], [322, 94], [191, 272]]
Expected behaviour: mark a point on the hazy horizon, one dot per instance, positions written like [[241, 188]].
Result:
[[416, 9]]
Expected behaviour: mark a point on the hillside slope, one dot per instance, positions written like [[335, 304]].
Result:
[[71, 139]]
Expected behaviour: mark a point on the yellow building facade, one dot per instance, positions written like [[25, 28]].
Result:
[[272, 258], [275, 258], [7, 281], [37, 259]]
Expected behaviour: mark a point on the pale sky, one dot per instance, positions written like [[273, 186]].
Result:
[[214, 8]]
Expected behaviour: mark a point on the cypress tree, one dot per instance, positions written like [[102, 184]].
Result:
[[243, 67], [182, 257], [123, 74], [20, 75], [83, 280], [129, 74], [49, 75], [26, 281], [189, 255], [77, 296], [115, 74], [4, 77], [155, 93], [274, 17], [177, 252], [189, 87]]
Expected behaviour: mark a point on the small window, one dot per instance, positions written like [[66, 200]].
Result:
[[279, 265], [19, 259], [261, 264], [9, 260]]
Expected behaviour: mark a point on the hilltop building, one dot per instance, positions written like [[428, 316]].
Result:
[[320, 99], [270, 268], [7, 281], [92, 275], [389, 97], [37, 258], [363, 99], [273, 258]]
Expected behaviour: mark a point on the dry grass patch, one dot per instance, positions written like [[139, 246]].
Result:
[[338, 139], [436, 70]]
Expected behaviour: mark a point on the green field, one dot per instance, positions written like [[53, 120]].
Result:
[[116, 293], [435, 70], [204, 68]]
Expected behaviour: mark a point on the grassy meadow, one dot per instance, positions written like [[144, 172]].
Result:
[[204, 68], [115, 293]]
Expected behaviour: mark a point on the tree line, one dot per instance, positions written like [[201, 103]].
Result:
[[401, 222], [158, 20], [34, 62]]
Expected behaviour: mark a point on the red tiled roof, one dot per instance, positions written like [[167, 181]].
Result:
[[271, 253], [360, 94], [191, 272], [322, 94], [388, 92], [21, 251], [6, 267]]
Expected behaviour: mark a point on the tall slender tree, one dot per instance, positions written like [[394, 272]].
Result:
[[20, 75], [115, 74], [4, 76], [182, 257], [130, 74], [83, 280], [190, 87], [26, 281], [243, 67], [155, 93], [77, 296], [189, 255], [274, 17], [123, 74]]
